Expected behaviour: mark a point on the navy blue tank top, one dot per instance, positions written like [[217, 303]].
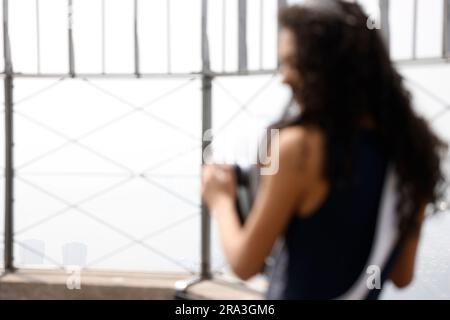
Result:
[[324, 254]]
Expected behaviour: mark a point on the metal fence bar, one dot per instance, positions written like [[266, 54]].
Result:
[[169, 50], [422, 61], [384, 22], [144, 75], [446, 40], [103, 36], [414, 31], [70, 34], [205, 263], [38, 37], [224, 33], [9, 144], [281, 4], [261, 34], [136, 41], [206, 75], [105, 75], [242, 40]]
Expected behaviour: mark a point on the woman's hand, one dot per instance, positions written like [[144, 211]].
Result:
[[218, 185]]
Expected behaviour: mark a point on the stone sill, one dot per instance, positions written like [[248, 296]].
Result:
[[45, 284]]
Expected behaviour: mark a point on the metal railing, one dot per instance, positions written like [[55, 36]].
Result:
[[206, 75]]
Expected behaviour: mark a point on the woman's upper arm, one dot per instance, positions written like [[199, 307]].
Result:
[[403, 271], [277, 199]]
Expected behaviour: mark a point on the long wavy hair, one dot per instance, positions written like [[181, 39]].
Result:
[[347, 74]]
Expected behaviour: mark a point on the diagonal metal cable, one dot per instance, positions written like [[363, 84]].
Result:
[[238, 101], [106, 190], [71, 206], [440, 114], [73, 141], [246, 109], [107, 225], [178, 176], [106, 124], [144, 238], [426, 91], [168, 190], [102, 192], [137, 241], [433, 96], [39, 92], [169, 124], [76, 205], [113, 174], [148, 104], [245, 105], [231, 96], [175, 156], [71, 174]]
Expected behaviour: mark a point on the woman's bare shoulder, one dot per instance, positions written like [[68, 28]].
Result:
[[302, 145]]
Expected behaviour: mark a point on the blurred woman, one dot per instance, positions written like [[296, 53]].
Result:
[[356, 121]]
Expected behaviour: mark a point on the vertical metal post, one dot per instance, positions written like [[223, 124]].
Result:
[[446, 34], [38, 37], [261, 34], [385, 25], [224, 33], [136, 41], [205, 272], [9, 167], [70, 34], [242, 36], [281, 4], [103, 37], [414, 35], [169, 40]]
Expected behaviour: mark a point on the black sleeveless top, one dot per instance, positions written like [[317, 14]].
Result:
[[324, 254]]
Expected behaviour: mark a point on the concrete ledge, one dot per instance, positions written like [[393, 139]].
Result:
[[221, 290], [52, 284]]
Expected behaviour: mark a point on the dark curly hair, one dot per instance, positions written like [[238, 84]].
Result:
[[347, 74]]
